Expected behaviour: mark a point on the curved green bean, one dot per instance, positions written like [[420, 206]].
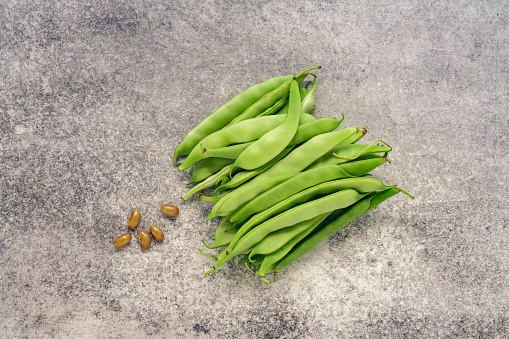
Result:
[[208, 167], [297, 214], [270, 99], [226, 113], [225, 232], [346, 153], [303, 91], [329, 228], [254, 98], [274, 142], [229, 202], [271, 259], [244, 132], [273, 241], [209, 182], [308, 103], [290, 200]]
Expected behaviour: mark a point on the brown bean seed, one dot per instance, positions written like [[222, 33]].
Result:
[[157, 233], [144, 238], [170, 210], [134, 220], [122, 240]]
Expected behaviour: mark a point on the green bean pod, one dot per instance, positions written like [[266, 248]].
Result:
[[271, 259], [226, 113], [331, 227], [229, 202], [208, 167], [274, 142], [209, 182], [346, 153], [270, 99], [308, 103], [225, 232], [295, 215], [304, 133], [303, 91], [255, 97], [273, 241], [287, 201], [307, 153], [244, 132]]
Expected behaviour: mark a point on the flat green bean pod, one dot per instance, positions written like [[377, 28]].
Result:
[[308, 103], [209, 182], [275, 141], [345, 153], [270, 99], [307, 153], [225, 232], [228, 203], [208, 167], [290, 200], [304, 133], [330, 227], [243, 132], [273, 241], [295, 215], [271, 259], [303, 91], [226, 113], [254, 98]]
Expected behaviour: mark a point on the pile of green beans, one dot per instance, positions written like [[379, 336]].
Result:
[[284, 180]]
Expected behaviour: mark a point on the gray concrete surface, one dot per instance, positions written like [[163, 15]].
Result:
[[96, 95]]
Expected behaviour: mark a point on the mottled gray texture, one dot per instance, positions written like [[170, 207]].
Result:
[[95, 96]]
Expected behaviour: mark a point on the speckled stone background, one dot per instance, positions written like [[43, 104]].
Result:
[[96, 95]]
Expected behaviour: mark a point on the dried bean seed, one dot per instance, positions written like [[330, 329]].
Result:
[[134, 220], [170, 210], [144, 238], [157, 233], [122, 240]]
